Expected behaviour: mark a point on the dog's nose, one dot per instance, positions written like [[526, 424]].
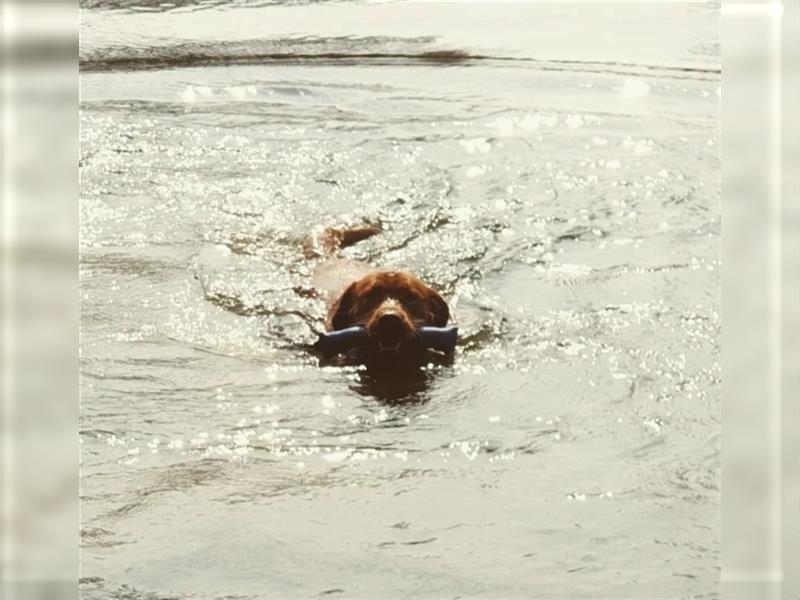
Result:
[[390, 328]]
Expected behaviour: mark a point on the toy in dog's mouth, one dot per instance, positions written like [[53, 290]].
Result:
[[342, 341]]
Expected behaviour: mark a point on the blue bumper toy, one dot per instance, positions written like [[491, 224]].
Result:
[[342, 341]]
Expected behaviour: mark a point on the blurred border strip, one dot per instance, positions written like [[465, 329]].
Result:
[[40, 454], [760, 512], [761, 235]]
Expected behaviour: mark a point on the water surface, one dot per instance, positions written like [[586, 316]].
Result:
[[552, 169]]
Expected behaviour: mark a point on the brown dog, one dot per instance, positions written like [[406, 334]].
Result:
[[391, 305]]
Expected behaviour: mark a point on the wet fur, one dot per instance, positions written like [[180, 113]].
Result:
[[371, 294]]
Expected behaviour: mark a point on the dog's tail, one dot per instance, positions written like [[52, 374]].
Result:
[[329, 240]]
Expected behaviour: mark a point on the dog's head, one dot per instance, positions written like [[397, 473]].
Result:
[[392, 306]]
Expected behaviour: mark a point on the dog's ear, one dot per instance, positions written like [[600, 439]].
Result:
[[340, 311], [438, 309]]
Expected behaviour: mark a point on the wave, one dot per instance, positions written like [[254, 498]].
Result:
[[348, 51], [163, 6], [343, 50]]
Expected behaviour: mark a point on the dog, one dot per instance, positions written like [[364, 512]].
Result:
[[391, 305]]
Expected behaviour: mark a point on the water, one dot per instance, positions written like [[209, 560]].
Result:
[[552, 169]]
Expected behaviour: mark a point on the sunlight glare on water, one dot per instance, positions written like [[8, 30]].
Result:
[[561, 191]]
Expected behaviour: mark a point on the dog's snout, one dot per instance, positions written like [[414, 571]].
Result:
[[390, 327]]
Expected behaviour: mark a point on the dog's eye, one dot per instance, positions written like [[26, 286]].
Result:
[[372, 297], [410, 299]]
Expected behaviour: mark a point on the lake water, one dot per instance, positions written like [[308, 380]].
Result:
[[552, 169]]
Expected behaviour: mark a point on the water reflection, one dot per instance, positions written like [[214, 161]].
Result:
[[408, 386], [401, 383]]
